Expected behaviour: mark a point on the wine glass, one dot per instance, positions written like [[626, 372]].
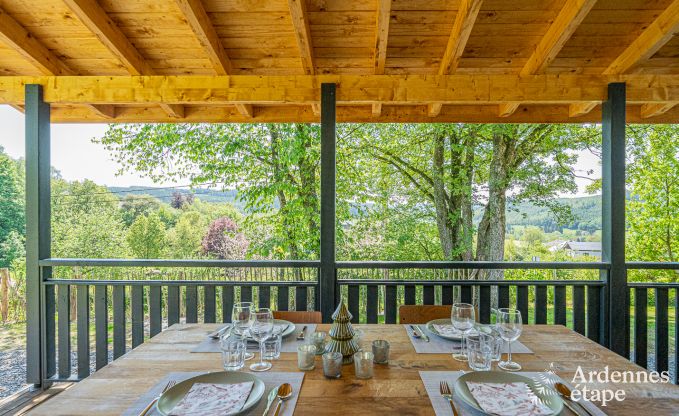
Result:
[[510, 325], [240, 318], [462, 317], [261, 328]]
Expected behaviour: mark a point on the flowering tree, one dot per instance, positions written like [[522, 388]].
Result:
[[224, 241]]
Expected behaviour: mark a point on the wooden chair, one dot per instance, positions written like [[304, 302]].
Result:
[[421, 314], [299, 317]]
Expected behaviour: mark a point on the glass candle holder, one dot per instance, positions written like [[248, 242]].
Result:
[[306, 356], [332, 364], [363, 364], [381, 351], [318, 339]]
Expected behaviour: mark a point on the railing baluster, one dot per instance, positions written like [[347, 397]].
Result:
[[503, 297], [540, 304], [50, 332], [371, 304], [191, 304], [446, 295], [283, 298], [300, 298], [264, 297], [579, 309], [522, 302], [661, 333], [410, 295], [676, 336], [209, 313], [83, 313], [484, 304], [428, 295], [227, 303], [560, 305], [466, 294], [246, 293], [593, 313], [137, 315], [390, 304], [101, 326], [119, 344], [64, 327], [640, 326], [155, 310], [172, 305], [353, 302]]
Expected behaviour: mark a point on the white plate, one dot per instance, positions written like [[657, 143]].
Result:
[[170, 398], [456, 337], [548, 396]]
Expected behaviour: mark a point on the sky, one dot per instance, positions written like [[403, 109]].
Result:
[[77, 158]]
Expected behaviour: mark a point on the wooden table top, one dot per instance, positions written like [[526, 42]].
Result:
[[395, 388]]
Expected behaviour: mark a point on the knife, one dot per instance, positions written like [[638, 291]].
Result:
[[423, 334], [219, 332], [270, 399], [415, 331], [300, 337]]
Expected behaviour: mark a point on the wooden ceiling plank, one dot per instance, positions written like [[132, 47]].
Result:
[[207, 36], [382, 34], [561, 29], [657, 34], [580, 109], [245, 110], [656, 109], [302, 34]]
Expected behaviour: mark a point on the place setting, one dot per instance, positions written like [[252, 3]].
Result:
[[503, 391]]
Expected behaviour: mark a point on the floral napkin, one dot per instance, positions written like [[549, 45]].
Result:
[[213, 399], [507, 399], [449, 330]]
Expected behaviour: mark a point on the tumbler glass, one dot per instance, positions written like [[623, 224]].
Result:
[[233, 353], [479, 352]]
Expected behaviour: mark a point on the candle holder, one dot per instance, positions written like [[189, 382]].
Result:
[[332, 364], [381, 351], [318, 339], [306, 357], [363, 364]]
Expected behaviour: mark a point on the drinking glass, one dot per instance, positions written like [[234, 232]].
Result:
[[240, 318], [479, 352], [272, 346], [261, 327], [462, 318], [510, 326], [233, 353], [496, 341]]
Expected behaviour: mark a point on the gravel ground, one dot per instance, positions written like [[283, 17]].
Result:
[[12, 371]]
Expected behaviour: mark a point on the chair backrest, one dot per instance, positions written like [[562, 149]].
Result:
[[421, 314], [299, 317]]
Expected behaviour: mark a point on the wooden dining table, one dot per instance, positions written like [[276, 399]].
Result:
[[396, 388]]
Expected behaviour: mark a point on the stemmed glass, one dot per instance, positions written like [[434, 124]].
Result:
[[261, 328], [510, 325], [462, 317], [240, 317]]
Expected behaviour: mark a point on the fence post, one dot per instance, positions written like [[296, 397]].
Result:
[[4, 293], [615, 319], [38, 237], [328, 276]]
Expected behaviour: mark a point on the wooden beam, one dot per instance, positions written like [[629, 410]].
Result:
[[434, 110], [657, 34], [207, 36], [580, 109], [316, 109], [97, 21], [462, 28], [245, 110], [654, 110], [19, 108], [507, 109], [376, 109], [302, 34], [561, 29], [382, 34], [351, 89]]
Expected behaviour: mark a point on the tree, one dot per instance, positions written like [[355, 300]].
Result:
[[146, 237], [133, 206], [181, 200], [185, 239], [12, 220], [224, 241]]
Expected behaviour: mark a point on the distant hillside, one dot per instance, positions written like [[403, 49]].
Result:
[[164, 194]]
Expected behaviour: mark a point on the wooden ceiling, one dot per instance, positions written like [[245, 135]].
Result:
[[393, 60]]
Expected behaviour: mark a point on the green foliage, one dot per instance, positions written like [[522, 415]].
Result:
[[186, 236], [12, 221], [133, 206], [146, 237]]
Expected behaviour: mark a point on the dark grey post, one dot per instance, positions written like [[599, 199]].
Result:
[[328, 277], [38, 237], [616, 316]]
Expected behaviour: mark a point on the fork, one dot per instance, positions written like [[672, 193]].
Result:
[[444, 388], [168, 386], [301, 335]]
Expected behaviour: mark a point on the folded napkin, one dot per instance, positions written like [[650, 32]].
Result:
[[450, 331], [205, 399], [507, 399]]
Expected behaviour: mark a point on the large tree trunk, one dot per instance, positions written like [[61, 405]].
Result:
[[443, 217]]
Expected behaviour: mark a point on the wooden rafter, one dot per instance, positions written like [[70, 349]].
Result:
[[462, 28], [562, 28], [96, 19], [303, 36], [19, 39], [580, 109], [657, 34], [381, 39], [656, 109]]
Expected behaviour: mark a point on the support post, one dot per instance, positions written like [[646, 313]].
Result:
[[328, 276], [38, 238], [616, 303]]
